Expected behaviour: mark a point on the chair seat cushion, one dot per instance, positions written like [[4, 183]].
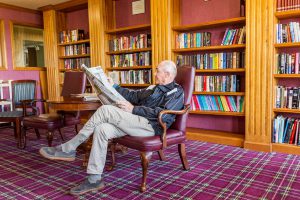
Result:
[[152, 143], [44, 121]]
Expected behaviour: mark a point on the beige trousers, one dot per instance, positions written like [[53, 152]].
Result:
[[106, 123]]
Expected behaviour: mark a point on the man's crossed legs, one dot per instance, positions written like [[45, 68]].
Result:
[[106, 123]]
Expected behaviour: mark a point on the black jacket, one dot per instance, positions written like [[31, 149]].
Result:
[[149, 102]]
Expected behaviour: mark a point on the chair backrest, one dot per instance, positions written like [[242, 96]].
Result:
[[22, 90], [185, 77], [74, 83]]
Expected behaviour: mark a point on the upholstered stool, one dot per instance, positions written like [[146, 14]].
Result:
[[50, 122], [16, 118]]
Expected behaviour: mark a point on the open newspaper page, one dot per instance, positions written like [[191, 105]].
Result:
[[107, 94]]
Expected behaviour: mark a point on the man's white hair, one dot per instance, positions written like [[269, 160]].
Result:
[[169, 66]]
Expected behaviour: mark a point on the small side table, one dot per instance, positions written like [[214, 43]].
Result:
[[16, 118]]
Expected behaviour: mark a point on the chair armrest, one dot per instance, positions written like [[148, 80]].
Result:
[[32, 104], [175, 112]]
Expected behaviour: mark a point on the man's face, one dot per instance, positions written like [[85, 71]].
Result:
[[160, 75]]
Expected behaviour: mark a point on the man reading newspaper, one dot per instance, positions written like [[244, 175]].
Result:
[[135, 115]]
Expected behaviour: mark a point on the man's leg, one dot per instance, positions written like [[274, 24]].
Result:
[[97, 159], [127, 122], [134, 124]]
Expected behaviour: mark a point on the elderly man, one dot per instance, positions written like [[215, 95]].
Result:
[[138, 116]]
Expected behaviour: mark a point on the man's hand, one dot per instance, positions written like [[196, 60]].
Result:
[[110, 80], [125, 105]]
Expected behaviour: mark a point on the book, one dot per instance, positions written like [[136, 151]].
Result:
[[87, 96], [107, 94]]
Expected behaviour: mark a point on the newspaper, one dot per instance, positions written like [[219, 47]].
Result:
[[107, 94]]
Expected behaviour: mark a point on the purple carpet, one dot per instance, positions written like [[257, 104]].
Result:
[[217, 172]]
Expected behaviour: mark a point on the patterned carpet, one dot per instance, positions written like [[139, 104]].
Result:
[[217, 172]]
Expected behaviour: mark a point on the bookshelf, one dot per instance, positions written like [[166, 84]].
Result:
[[217, 28], [67, 43], [129, 51], [285, 74]]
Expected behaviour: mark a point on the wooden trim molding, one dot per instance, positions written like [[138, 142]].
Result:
[[21, 68], [30, 68], [17, 8], [3, 60], [31, 25], [66, 6]]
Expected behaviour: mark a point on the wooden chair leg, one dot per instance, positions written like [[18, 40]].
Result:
[[182, 154], [161, 155], [113, 157], [61, 135], [76, 128], [37, 133], [15, 130], [145, 158], [50, 138], [23, 137]]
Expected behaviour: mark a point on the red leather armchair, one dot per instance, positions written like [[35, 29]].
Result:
[[176, 134], [74, 83]]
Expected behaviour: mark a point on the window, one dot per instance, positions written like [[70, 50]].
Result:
[[2, 46], [28, 46]]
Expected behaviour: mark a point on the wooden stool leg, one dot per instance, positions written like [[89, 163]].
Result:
[[23, 137], [76, 128], [37, 133], [61, 135], [50, 138]]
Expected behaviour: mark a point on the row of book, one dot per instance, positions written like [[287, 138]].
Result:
[[218, 103], [288, 32], [234, 36], [131, 76], [130, 60], [130, 42], [286, 130], [77, 49], [288, 63], [72, 35], [75, 63], [287, 97], [283, 5], [224, 60], [230, 83], [191, 40]]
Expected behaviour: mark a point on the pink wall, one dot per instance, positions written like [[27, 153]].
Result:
[[78, 19], [196, 11], [21, 17], [124, 15]]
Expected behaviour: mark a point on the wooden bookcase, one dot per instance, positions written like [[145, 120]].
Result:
[[129, 32], [282, 79], [211, 135], [64, 17], [124, 48]]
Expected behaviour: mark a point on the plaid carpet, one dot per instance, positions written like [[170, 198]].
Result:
[[217, 172]]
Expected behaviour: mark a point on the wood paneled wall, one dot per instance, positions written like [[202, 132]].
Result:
[[259, 65], [160, 30], [100, 14], [51, 54]]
